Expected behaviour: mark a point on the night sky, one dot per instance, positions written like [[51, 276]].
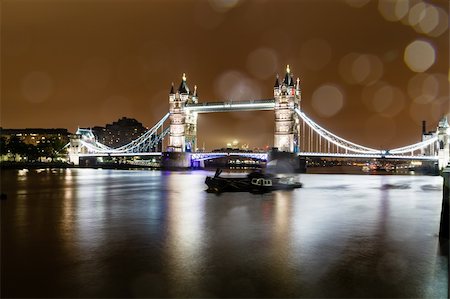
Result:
[[370, 71]]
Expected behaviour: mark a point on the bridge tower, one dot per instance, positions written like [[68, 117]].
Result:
[[287, 97], [75, 149], [75, 145], [183, 124], [443, 133], [190, 127]]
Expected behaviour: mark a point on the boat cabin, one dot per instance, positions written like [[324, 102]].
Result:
[[262, 182]]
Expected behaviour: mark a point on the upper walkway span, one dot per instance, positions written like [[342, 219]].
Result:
[[252, 105]]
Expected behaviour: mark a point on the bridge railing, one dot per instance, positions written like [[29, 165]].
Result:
[[349, 146], [333, 138]]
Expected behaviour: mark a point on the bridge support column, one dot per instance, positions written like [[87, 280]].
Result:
[[175, 160], [287, 98], [444, 142], [74, 150], [283, 162], [444, 225], [191, 132], [177, 122], [183, 123]]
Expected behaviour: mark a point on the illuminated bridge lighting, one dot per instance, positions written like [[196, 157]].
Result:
[[143, 145], [338, 141], [253, 105]]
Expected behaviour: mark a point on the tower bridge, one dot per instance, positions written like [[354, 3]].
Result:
[[295, 134]]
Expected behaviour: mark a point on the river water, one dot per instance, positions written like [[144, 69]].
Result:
[[139, 233]]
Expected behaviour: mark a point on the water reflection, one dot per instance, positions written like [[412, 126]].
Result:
[[185, 236], [115, 233], [282, 261]]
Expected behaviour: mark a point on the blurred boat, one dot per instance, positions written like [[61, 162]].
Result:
[[254, 182]]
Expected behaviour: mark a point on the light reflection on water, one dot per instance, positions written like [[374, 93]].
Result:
[[113, 233]]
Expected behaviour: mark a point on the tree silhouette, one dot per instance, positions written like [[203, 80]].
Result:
[[17, 147], [3, 146]]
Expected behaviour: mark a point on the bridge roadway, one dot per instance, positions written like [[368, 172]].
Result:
[[263, 156], [252, 105]]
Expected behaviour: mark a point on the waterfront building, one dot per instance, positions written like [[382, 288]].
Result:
[[119, 132], [35, 136]]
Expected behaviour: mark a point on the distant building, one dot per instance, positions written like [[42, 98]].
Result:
[[119, 132], [36, 136]]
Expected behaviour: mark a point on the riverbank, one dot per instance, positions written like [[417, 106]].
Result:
[[34, 165], [63, 165]]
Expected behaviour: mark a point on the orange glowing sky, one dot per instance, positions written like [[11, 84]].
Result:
[[366, 75]]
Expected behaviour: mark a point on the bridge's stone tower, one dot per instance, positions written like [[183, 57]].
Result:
[[76, 148], [443, 133], [183, 123], [287, 96], [190, 127]]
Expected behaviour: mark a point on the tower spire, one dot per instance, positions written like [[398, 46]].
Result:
[[443, 123], [183, 89], [194, 94], [277, 82], [172, 91], [288, 81]]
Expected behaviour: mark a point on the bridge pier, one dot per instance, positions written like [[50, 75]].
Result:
[[444, 225], [443, 132], [285, 162], [175, 160]]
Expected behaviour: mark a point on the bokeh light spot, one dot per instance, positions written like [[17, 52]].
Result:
[[357, 3], [361, 69], [327, 100], [442, 24], [384, 99], [401, 8], [262, 63], [223, 6], [419, 56], [429, 21], [235, 86], [393, 10], [345, 67], [423, 88], [416, 13], [37, 86]]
